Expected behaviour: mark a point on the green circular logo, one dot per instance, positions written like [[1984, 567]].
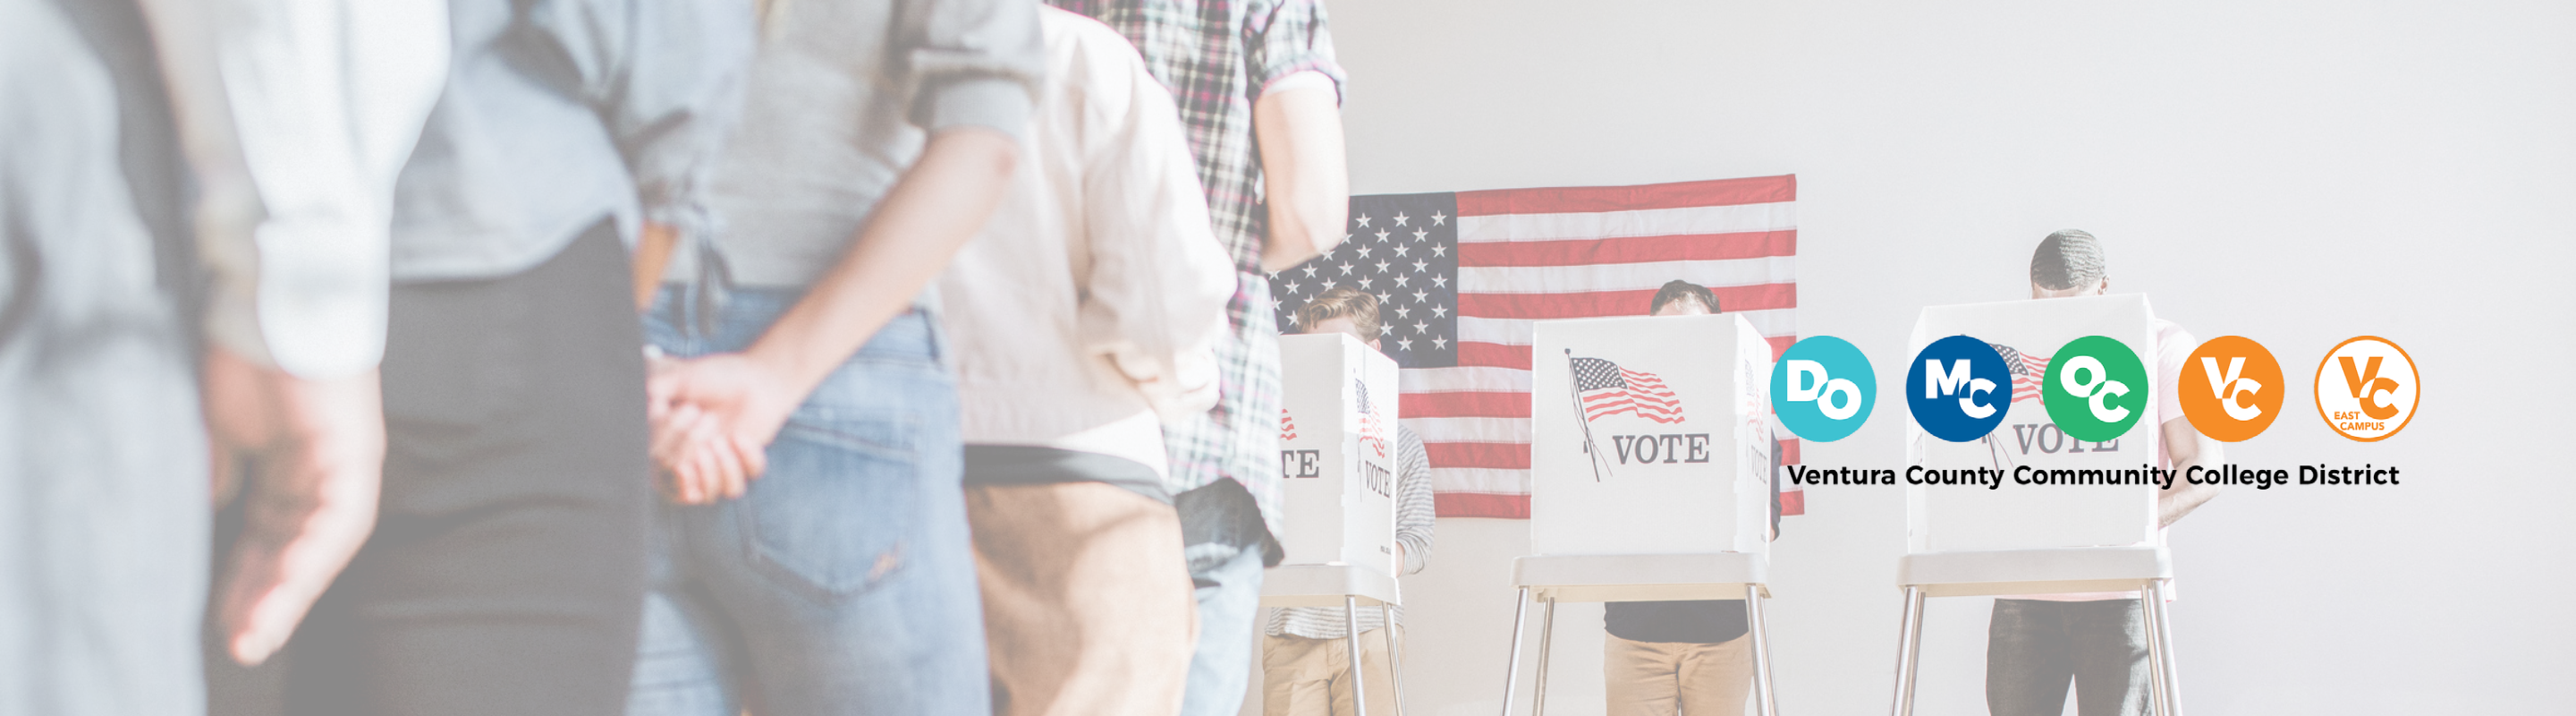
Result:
[[2095, 389]]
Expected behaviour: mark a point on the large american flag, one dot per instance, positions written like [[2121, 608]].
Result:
[[1461, 276], [1604, 388]]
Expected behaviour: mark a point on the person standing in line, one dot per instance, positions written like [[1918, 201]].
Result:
[[103, 459], [506, 571], [297, 118], [1681, 657], [1305, 657], [102, 304], [2038, 644], [876, 140], [1260, 93], [1085, 315]]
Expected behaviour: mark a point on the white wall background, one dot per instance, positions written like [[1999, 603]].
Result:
[[2297, 172]]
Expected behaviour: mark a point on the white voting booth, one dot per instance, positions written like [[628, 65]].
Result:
[[1337, 455], [1650, 471], [2035, 539]]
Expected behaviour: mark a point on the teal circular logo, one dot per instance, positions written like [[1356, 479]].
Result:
[[2095, 389], [1823, 388]]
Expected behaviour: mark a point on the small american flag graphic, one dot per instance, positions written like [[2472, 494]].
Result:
[[1372, 427], [1462, 276], [2026, 369], [1607, 389], [1287, 425]]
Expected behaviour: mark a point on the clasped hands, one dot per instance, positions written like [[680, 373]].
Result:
[[713, 418]]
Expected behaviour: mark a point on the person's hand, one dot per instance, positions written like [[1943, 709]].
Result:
[[713, 418], [1398, 569], [318, 453]]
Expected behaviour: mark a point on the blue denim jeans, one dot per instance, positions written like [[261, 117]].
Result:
[[1229, 599], [843, 580]]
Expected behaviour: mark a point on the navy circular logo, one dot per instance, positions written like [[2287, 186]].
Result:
[[1958, 389]]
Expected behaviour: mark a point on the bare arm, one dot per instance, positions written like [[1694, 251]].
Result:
[[652, 255], [2186, 447], [940, 204], [1304, 173]]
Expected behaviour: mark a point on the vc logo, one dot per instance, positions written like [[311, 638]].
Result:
[[2238, 392], [2366, 388], [1957, 389], [1823, 388], [2095, 389]]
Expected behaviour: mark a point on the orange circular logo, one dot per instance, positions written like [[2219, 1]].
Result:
[[2366, 388], [2231, 389]]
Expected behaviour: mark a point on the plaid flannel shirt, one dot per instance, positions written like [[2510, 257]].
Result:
[[1216, 56]]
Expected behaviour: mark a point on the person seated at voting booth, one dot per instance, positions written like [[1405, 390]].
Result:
[[2037, 644], [1681, 657], [1305, 667]]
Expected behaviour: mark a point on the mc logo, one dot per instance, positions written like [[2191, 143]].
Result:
[[1823, 389], [2231, 388], [2095, 389], [1957, 389], [2366, 388]]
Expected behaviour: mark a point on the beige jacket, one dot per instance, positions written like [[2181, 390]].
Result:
[[1088, 310]]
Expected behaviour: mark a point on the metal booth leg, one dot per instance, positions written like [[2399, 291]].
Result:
[[2160, 650], [2155, 655], [1546, 631], [1512, 676], [1351, 638], [1394, 656], [1909, 644], [1754, 618]]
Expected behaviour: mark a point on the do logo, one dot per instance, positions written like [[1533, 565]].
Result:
[[1957, 389], [1823, 389]]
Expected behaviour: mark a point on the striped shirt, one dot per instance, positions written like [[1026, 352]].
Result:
[[1414, 522]]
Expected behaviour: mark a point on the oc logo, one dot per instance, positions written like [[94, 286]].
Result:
[[2095, 389]]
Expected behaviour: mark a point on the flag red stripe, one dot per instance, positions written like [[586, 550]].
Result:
[[1511, 456], [1716, 192], [1481, 504], [1497, 355], [1630, 249], [1475, 353], [1467, 404], [1597, 304], [1792, 502], [1789, 451]]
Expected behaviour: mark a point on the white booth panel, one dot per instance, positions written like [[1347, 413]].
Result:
[[1675, 456], [1337, 450]]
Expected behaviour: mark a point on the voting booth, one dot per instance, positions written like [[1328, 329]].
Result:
[[1650, 435], [1338, 460], [1337, 451], [1650, 471], [2024, 539]]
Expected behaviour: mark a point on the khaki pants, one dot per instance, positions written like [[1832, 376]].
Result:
[[1312, 677], [1088, 606], [1659, 679]]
